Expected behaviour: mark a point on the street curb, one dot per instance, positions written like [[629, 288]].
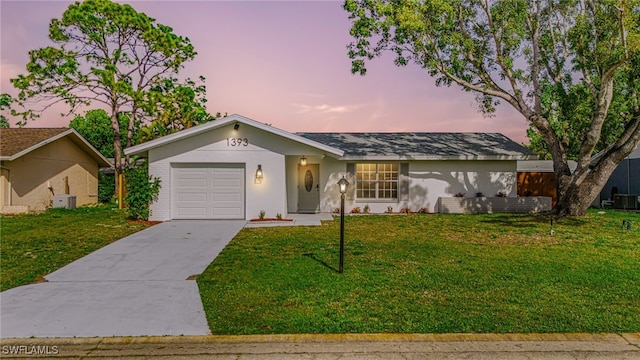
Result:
[[630, 338]]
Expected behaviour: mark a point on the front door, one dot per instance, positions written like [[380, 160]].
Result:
[[309, 189]]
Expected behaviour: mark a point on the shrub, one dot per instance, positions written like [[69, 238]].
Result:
[[279, 216], [389, 209], [142, 190], [367, 209], [479, 194], [106, 187], [501, 194], [356, 210], [336, 211], [262, 214], [405, 210], [423, 210]]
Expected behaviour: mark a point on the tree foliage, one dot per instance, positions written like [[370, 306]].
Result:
[[95, 127], [142, 190], [106, 53], [570, 67], [5, 104]]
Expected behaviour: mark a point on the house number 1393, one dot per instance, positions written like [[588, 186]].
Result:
[[237, 141]]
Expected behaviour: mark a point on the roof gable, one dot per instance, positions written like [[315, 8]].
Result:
[[424, 146], [16, 142], [142, 149]]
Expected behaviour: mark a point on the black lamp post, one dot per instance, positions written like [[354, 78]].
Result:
[[343, 184]]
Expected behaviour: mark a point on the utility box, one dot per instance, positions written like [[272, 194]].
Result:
[[624, 201], [64, 201]]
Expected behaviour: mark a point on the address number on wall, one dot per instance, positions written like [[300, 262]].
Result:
[[237, 142]]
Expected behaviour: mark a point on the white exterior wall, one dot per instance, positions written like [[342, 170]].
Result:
[[263, 148], [428, 180]]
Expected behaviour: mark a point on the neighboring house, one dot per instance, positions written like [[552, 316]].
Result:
[[39, 163], [623, 182], [235, 167]]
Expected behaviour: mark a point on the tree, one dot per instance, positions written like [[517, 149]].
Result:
[[570, 67], [5, 104], [95, 127], [107, 53], [175, 106]]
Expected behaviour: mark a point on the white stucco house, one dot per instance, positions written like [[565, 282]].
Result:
[[235, 167]]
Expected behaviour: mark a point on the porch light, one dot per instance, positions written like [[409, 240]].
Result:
[[259, 175], [303, 161], [236, 126], [342, 184]]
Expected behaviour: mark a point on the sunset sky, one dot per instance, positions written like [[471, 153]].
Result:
[[282, 63]]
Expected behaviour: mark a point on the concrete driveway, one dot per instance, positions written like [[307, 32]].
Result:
[[135, 286]]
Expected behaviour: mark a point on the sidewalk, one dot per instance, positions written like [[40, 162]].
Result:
[[326, 347]]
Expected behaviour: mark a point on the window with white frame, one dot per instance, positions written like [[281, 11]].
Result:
[[377, 181]]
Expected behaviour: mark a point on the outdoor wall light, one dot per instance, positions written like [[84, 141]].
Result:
[[236, 126], [342, 184], [303, 161], [259, 175]]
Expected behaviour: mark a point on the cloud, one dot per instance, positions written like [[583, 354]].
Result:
[[326, 109]]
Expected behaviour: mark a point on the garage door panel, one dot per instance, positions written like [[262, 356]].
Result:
[[208, 191]]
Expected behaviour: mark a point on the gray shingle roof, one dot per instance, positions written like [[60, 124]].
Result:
[[423, 146]]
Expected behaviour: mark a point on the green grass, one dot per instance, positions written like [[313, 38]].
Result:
[[32, 246], [430, 274]]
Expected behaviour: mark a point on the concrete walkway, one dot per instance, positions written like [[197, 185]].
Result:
[[133, 287], [334, 347]]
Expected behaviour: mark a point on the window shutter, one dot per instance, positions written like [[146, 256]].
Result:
[[351, 178], [404, 182]]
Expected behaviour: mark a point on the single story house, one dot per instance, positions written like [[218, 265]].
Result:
[[38, 163], [235, 167]]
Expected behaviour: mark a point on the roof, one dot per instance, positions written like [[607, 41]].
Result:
[[424, 146], [16, 142], [142, 149]]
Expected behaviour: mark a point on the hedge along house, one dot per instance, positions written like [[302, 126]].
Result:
[[235, 167]]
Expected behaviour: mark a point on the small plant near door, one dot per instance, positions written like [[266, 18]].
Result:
[[278, 216], [367, 209], [261, 215]]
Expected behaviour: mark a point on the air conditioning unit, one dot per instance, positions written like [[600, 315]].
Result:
[[624, 201], [64, 201]]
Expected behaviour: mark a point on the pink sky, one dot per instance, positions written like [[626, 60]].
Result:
[[283, 63]]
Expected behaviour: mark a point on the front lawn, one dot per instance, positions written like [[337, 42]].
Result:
[[32, 246], [430, 274]]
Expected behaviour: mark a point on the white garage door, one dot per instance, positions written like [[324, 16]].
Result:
[[208, 191]]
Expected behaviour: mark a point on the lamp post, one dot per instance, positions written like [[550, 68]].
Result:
[[343, 184]]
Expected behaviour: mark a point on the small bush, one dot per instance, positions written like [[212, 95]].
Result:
[[405, 210], [367, 209], [479, 194], [262, 214], [336, 211], [389, 209], [279, 216], [106, 187], [501, 194], [356, 210], [423, 210], [142, 190]]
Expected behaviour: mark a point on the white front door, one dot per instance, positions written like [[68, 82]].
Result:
[[208, 191], [309, 189]]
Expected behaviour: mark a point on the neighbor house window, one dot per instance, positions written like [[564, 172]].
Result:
[[377, 181]]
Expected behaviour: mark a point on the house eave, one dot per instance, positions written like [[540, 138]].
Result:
[[438, 157]]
